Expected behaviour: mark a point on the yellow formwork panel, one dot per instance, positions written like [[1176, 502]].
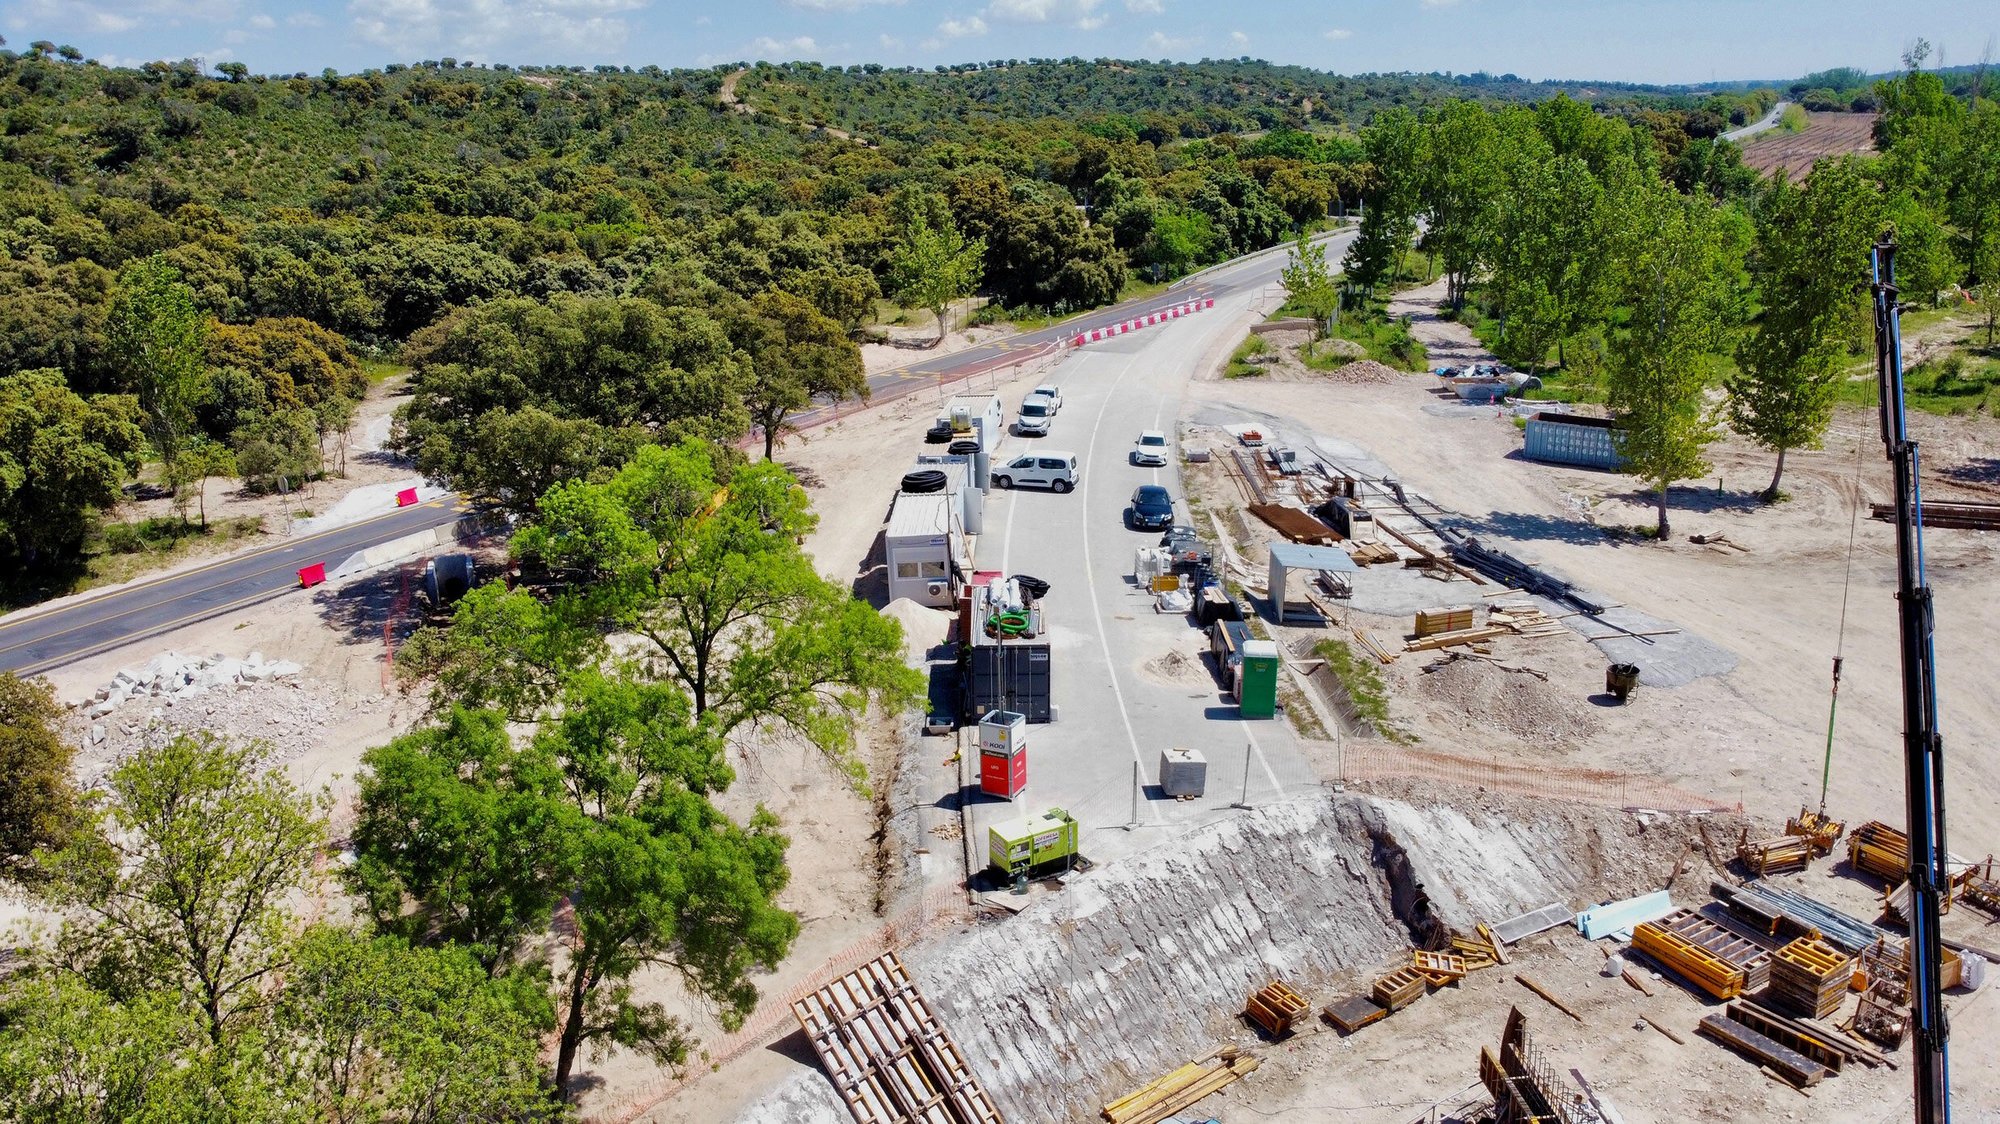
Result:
[[1694, 963]]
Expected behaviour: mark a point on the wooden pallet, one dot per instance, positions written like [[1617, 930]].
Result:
[[1718, 960], [1881, 850], [1352, 1012], [1400, 988], [1440, 968], [1778, 855], [1274, 1007], [1809, 977], [886, 1053]]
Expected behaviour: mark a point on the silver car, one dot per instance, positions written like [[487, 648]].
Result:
[[1150, 450]]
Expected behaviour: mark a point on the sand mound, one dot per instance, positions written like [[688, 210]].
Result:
[[923, 628], [1177, 669], [1482, 696]]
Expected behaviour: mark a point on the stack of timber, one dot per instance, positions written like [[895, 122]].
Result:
[[1814, 1038], [1477, 952], [1399, 988], [1525, 1088], [1295, 525], [1159, 1099], [1809, 977], [1786, 1062], [1474, 636], [1941, 513], [1525, 619], [1456, 618], [1776, 910], [1274, 1007], [1780, 855], [1373, 554], [1880, 850], [886, 1053], [1819, 830], [1720, 962], [1373, 645]]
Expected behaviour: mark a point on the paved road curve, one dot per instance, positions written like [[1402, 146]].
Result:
[[1769, 122], [33, 641]]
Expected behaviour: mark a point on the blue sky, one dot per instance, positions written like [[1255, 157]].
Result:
[[1632, 40]]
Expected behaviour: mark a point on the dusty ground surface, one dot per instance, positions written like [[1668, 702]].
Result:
[[1825, 134]]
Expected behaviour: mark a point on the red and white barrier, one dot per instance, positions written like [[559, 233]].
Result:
[[1159, 316]]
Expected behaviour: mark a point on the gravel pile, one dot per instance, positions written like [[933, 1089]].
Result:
[[1366, 370], [1478, 695], [176, 676]]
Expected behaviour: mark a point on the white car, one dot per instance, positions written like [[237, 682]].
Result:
[[1150, 450], [1037, 413], [1052, 392]]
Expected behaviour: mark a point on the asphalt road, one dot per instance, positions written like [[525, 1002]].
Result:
[[1767, 123], [1112, 715], [33, 641]]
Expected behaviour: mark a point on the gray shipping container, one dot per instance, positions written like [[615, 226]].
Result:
[[1008, 676], [1572, 439]]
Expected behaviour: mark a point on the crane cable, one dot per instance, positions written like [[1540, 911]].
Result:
[[1840, 644]]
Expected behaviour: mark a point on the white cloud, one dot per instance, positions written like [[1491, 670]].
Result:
[[262, 22], [1160, 43], [889, 42], [1336, 34], [960, 29], [1145, 7], [1043, 11], [113, 17], [1239, 39], [703, 21], [1092, 23], [800, 46], [304, 19], [419, 26], [1439, 3], [836, 5]]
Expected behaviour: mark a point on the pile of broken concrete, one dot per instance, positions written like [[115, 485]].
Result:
[[172, 675]]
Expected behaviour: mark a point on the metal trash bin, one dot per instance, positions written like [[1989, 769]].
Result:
[[1620, 679]]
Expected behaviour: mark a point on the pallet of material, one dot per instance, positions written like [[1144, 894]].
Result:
[[886, 1053], [1400, 987], [1456, 618], [1880, 1017], [1810, 977], [1779, 855], [1711, 957], [1162, 1098], [1880, 850], [1372, 554], [1274, 1007], [1440, 968], [1461, 636], [1789, 1064], [1352, 1012], [1886, 962], [1818, 830]]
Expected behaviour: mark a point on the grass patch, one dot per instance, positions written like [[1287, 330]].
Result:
[[1955, 385], [1387, 341], [1793, 119], [1240, 366], [1362, 680], [1026, 319], [1136, 288], [1300, 713], [380, 371]]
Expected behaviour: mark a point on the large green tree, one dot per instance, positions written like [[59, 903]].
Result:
[[160, 340], [39, 810], [1677, 281], [795, 356], [1458, 187], [62, 457], [1812, 268], [1308, 282], [934, 264], [1395, 145]]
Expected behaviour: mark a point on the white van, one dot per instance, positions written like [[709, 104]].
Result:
[[1059, 472], [1037, 411]]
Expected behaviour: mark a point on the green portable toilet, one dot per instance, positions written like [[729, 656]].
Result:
[[1257, 680]]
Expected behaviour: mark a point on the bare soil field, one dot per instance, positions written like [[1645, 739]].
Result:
[[1826, 134]]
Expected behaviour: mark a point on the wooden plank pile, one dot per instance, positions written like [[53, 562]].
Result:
[[1455, 618], [1814, 1038], [1715, 959], [1374, 646], [1880, 850], [1473, 636], [1809, 977], [1373, 554], [1819, 830], [1296, 525], [1945, 513], [1274, 1007], [1779, 855], [886, 1053], [1406, 983], [1184, 1087], [1787, 1063], [1525, 619]]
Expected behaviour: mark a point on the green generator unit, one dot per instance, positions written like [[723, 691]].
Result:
[[1032, 846], [1257, 680]]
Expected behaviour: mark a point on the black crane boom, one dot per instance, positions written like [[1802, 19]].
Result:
[[1923, 748]]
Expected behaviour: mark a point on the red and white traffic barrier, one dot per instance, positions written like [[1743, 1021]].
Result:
[[1159, 316]]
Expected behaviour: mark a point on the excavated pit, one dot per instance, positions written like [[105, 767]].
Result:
[[1147, 962]]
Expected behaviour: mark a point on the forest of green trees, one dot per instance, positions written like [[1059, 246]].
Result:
[[602, 282]]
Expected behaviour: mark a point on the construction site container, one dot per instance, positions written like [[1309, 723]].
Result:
[[1006, 675], [1573, 439], [924, 539], [1225, 644], [1031, 844], [1003, 753], [1257, 680]]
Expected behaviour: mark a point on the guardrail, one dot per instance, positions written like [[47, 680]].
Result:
[[1159, 316]]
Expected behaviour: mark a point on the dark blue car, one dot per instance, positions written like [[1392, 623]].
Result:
[[1151, 507]]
